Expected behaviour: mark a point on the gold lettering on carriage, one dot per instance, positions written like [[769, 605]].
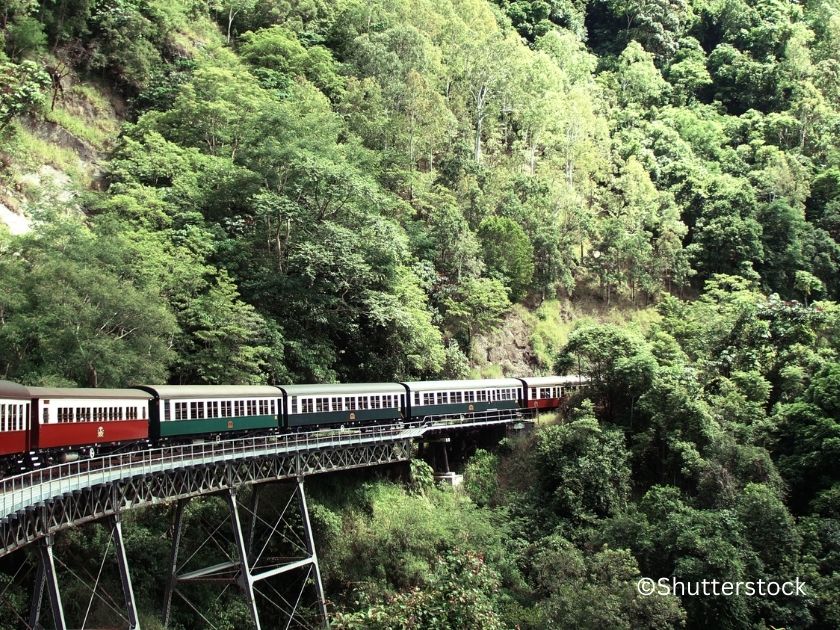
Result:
[[100, 432], [352, 416], [230, 424]]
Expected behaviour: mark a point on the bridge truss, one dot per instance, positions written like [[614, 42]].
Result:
[[37, 505]]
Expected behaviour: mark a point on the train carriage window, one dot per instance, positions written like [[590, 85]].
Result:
[[196, 410], [482, 395], [322, 404], [533, 393], [458, 397], [416, 398], [167, 412], [263, 407], [213, 409], [12, 417], [375, 402], [387, 401], [428, 398], [271, 408], [351, 403], [226, 408], [238, 408], [545, 392], [46, 415], [2, 417], [180, 411], [364, 403], [338, 404], [443, 398], [306, 405], [252, 407], [294, 404], [469, 396], [555, 392]]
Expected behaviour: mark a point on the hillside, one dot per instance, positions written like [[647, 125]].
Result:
[[646, 192], [355, 191]]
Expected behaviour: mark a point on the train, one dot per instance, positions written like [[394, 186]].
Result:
[[44, 425]]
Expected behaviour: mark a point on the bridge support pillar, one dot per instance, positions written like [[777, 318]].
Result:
[[259, 556], [125, 575], [172, 579], [245, 579], [310, 545], [46, 577]]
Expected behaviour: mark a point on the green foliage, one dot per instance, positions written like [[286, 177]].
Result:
[[353, 191], [21, 90], [459, 595], [583, 469], [508, 254], [480, 477], [598, 590], [73, 311]]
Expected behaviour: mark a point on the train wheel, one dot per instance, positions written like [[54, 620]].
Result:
[[90, 453]]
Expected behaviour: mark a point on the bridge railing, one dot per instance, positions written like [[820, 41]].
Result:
[[29, 488]]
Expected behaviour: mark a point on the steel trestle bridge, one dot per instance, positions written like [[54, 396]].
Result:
[[34, 506]]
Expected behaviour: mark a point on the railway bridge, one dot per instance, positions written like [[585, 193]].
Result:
[[35, 506]]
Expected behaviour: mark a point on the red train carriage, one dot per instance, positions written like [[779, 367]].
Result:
[[547, 392], [85, 420], [14, 419]]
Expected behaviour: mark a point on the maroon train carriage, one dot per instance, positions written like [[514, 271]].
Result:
[[548, 392], [14, 419], [83, 421]]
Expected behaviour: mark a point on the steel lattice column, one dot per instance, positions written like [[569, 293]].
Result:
[[245, 579], [125, 575], [47, 577], [310, 545]]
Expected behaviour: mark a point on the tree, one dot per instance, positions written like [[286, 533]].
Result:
[[74, 319], [508, 254], [807, 284], [21, 90], [583, 469], [475, 306]]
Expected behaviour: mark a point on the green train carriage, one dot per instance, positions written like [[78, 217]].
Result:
[[342, 404], [446, 398], [212, 411]]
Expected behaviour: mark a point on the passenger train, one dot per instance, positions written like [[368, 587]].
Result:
[[40, 425]]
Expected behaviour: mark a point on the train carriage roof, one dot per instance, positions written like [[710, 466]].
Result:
[[545, 381], [343, 389], [13, 390], [88, 393], [212, 391], [481, 383]]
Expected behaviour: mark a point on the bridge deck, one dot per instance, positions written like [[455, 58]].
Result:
[[40, 502]]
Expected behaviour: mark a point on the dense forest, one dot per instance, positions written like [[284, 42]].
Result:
[[252, 191]]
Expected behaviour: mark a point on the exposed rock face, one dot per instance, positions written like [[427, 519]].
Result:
[[17, 223]]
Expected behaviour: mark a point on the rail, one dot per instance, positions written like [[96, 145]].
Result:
[[34, 487]]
